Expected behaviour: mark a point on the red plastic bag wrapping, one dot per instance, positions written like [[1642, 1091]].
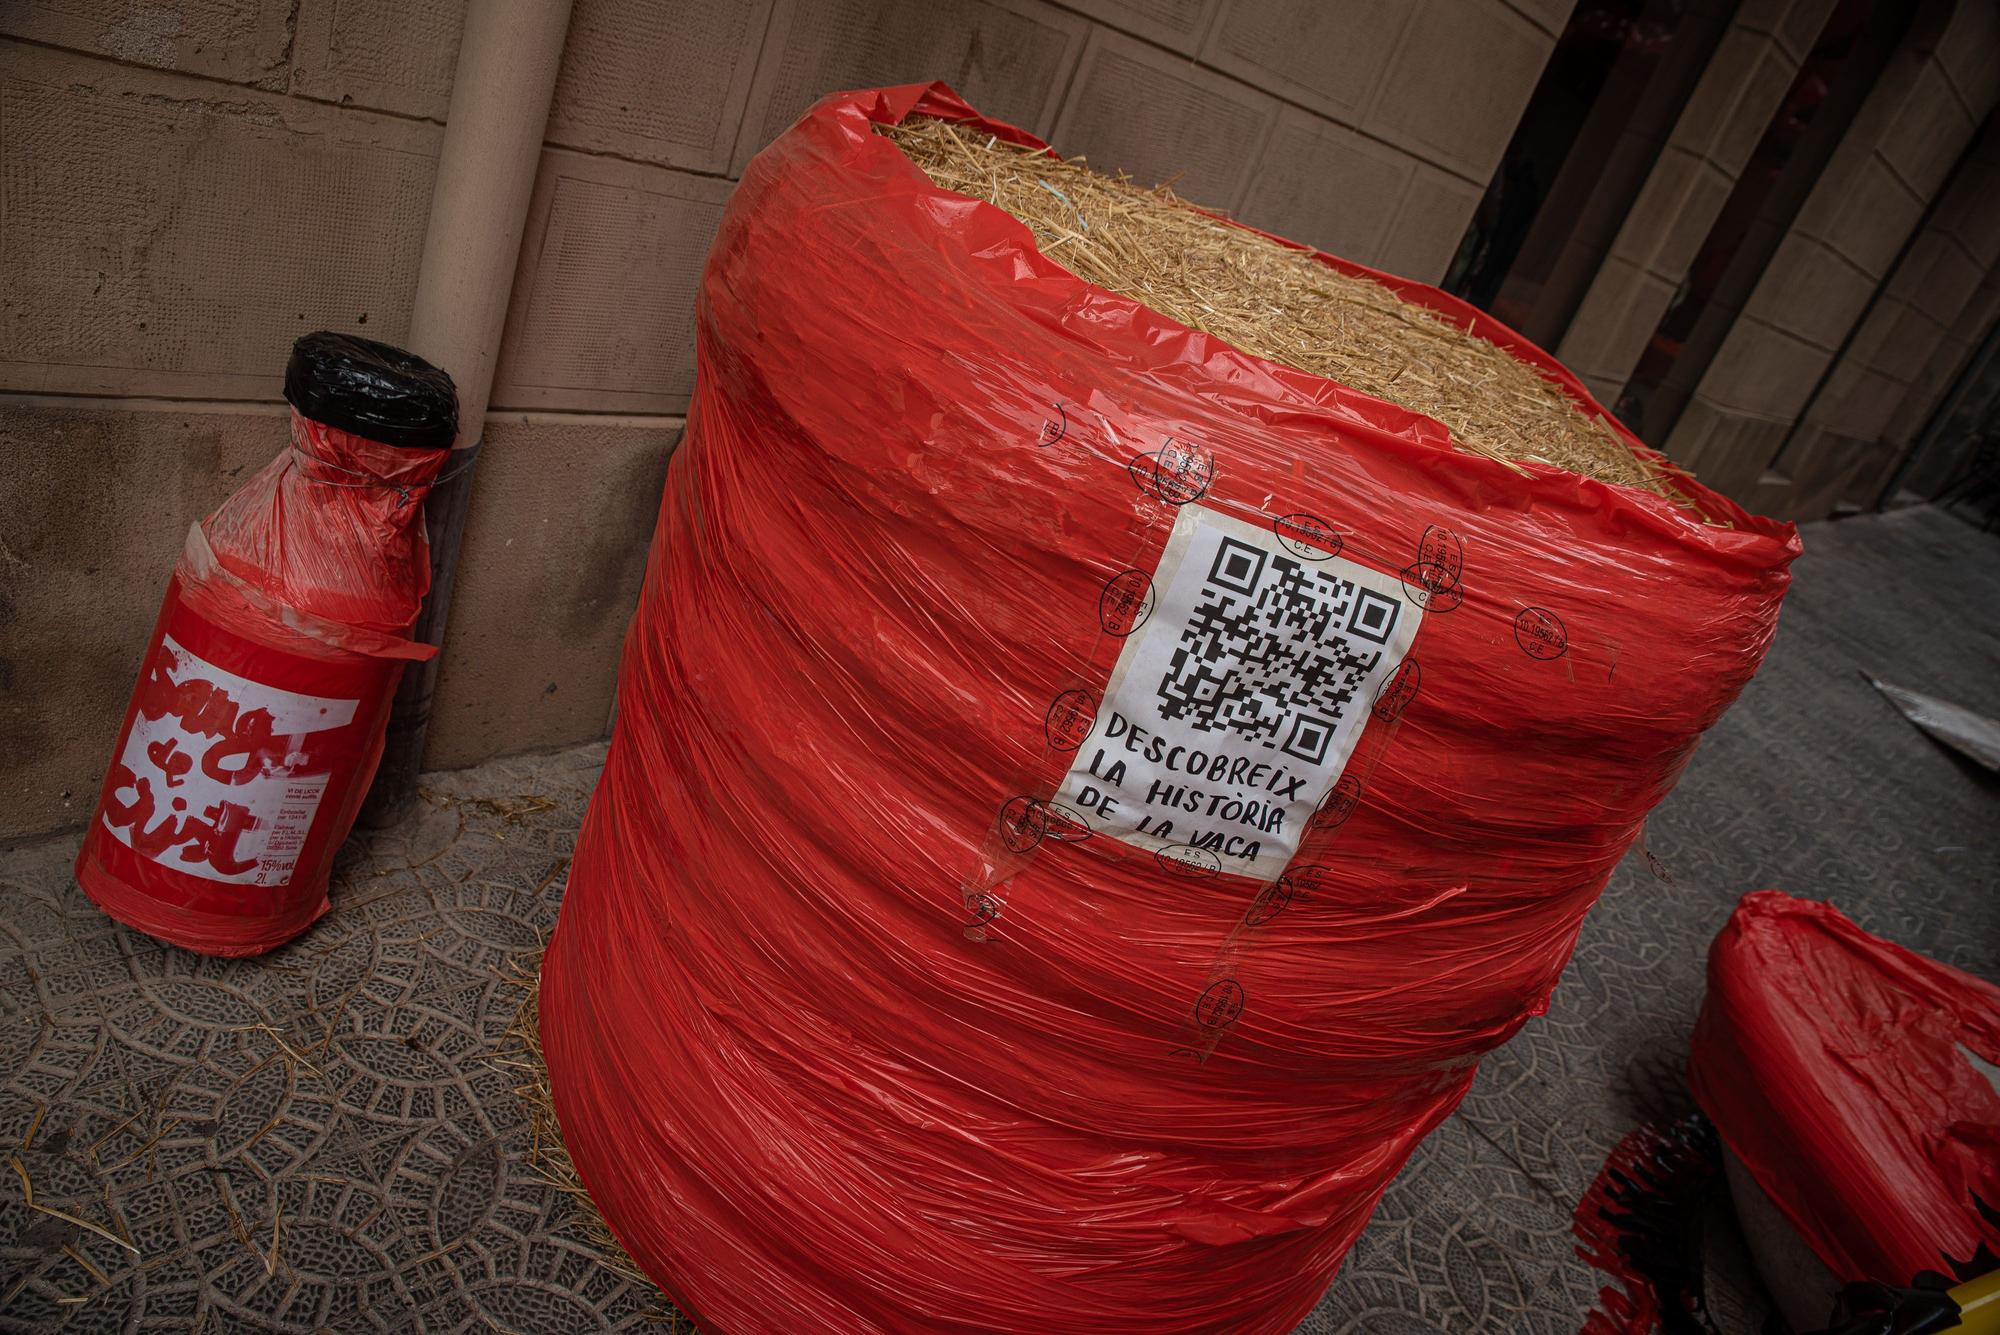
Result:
[[257, 722], [1083, 797], [1838, 1068]]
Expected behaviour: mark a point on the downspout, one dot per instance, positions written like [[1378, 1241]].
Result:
[[508, 58]]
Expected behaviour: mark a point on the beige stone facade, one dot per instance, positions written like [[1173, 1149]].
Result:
[[1801, 394], [186, 187], [1703, 158]]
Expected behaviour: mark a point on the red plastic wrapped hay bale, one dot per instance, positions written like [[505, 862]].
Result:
[[1083, 797]]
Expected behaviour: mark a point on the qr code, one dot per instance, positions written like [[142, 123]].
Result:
[[1275, 651]]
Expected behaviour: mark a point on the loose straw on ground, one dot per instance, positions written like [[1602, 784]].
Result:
[[521, 1054], [1277, 303]]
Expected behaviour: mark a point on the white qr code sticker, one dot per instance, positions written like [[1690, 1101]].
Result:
[[1239, 698]]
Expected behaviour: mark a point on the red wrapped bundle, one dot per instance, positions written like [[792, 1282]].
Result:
[[1083, 797], [257, 722], [1843, 1072]]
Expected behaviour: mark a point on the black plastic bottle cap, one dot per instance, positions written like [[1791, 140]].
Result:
[[373, 390]]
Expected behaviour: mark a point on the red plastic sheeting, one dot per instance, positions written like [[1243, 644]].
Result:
[[1633, 1225], [1837, 1067], [257, 722], [1083, 797]]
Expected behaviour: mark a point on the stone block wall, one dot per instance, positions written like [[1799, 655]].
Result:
[[1821, 372], [1710, 145], [185, 187]]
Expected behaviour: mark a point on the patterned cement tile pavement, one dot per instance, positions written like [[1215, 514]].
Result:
[[322, 1140]]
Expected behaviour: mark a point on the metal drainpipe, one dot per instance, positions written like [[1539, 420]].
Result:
[[506, 78]]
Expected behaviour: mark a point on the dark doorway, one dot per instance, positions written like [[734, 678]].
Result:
[[1608, 98], [1832, 83]]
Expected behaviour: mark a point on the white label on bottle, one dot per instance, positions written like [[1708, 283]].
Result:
[[218, 776]]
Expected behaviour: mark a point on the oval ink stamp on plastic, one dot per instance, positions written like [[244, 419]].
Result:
[[1307, 537], [1177, 473], [1220, 1005], [1434, 582], [1441, 555], [1429, 596], [1309, 880], [1272, 900], [1541, 633], [1054, 429], [1070, 718], [1397, 692], [1023, 823], [1339, 803], [1126, 602], [1187, 860]]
